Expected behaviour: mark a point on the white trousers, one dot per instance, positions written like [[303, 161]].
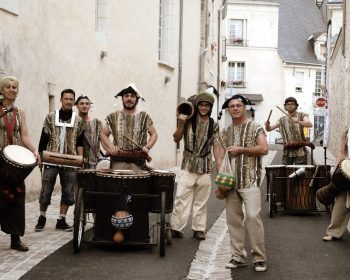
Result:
[[340, 216], [237, 221], [193, 188]]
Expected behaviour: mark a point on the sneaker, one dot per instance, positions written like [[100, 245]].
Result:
[[235, 264], [19, 246], [41, 223], [328, 238], [62, 225], [199, 235], [176, 234], [260, 266]]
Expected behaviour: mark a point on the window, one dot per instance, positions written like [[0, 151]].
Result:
[[101, 22], [236, 74], [299, 81], [166, 32], [318, 88], [237, 31]]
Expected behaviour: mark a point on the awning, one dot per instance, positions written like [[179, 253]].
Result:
[[254, 97]]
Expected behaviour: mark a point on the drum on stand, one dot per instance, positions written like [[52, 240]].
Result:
[[278, 184], [162, 180], [16, 163], [299, 195], [109, 182]]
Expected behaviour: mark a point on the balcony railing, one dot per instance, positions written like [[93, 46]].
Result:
[[237, 42], [238, 83]]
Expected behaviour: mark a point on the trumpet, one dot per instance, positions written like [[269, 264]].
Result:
[[185, 108]]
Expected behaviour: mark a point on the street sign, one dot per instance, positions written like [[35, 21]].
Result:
[[321, 102]]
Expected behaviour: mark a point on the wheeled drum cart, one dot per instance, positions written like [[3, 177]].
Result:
[[98, 194], [292, 188]]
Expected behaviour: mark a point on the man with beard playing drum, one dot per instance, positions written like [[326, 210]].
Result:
[[341, 209], [129, 128], [13, 131]]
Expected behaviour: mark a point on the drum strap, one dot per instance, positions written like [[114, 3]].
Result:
[[9, 124]]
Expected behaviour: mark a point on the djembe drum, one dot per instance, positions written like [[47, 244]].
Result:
[[109, 185], [162, 180], [16, 163], [62, 160], [340, 182]]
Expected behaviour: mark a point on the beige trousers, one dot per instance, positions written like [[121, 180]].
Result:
[[237, 220], [192, 188], [340, 216]]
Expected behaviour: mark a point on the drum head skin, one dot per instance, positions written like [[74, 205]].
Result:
[[103, 164], [20, 155], [345, 167]]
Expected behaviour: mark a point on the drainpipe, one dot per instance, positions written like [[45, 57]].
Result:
[[203, 52], [179, 80], [218, 83]]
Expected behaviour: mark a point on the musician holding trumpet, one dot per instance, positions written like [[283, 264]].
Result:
[[129, 128], [291, 127]]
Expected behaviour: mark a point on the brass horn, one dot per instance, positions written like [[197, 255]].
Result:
[[185, 108]]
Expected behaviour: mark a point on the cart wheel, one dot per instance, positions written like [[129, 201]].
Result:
[[168, 235], [162, 225], [271, 195], [79, 221]]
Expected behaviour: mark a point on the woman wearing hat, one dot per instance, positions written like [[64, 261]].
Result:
[[291, 127], [200, 134], [13, 131]]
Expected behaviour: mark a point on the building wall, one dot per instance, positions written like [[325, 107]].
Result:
[[264, 73], [50, 46]]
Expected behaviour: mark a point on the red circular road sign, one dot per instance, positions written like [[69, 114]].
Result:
[[321, 102]]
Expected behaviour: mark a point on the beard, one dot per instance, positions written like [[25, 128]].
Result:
[[129, 106]]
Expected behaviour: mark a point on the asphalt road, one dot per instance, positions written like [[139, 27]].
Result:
[[294, 246]]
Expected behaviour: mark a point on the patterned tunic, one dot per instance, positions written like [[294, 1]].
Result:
[[135, 127], [16, 139], [292, 131], [246, 168], [197, 156], [72, 133], [92, 132]]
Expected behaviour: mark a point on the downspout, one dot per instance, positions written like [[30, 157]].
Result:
[[179, 79], [218, 83], [203, 52]]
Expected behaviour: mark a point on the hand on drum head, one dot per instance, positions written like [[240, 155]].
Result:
[[113, 151], [182, 118]]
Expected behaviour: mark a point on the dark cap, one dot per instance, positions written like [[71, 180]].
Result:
[[240, 97], [82, 97], [291, 99], [130, 88]]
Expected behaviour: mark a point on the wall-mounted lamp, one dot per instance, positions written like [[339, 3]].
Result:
[[167, 79], [252, 112], [103, 54], [319, 3]]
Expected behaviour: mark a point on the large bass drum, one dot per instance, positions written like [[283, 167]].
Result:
[[16, 163]]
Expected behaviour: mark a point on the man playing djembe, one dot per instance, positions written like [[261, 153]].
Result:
[[129, 128], [292, 130], [63, 133]]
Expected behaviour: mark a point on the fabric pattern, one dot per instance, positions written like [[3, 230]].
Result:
[[92, 132]]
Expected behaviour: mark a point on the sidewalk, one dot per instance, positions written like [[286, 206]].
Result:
[[14, 264]]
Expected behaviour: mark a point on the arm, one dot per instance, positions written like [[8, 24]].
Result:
[[106, 143], [153, 136], [304, 123], [180, 129], [261, 148], [27, 142], [219, 154], [269, 127]]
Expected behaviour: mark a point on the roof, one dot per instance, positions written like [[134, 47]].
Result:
[[298, 20]]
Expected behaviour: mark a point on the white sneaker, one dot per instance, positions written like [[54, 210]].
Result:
[[260, 266], [235, 264]]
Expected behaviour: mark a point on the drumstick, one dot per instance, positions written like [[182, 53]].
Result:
[[313, 176], [268, 119], [283, 111], [138, 146]]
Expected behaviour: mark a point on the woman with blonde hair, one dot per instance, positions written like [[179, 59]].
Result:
[[13, 131]]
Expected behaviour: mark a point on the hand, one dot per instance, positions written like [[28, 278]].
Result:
[[234, 151], [145, 149], [113, 150], [220, 194], [182, 118], [295, 119]]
